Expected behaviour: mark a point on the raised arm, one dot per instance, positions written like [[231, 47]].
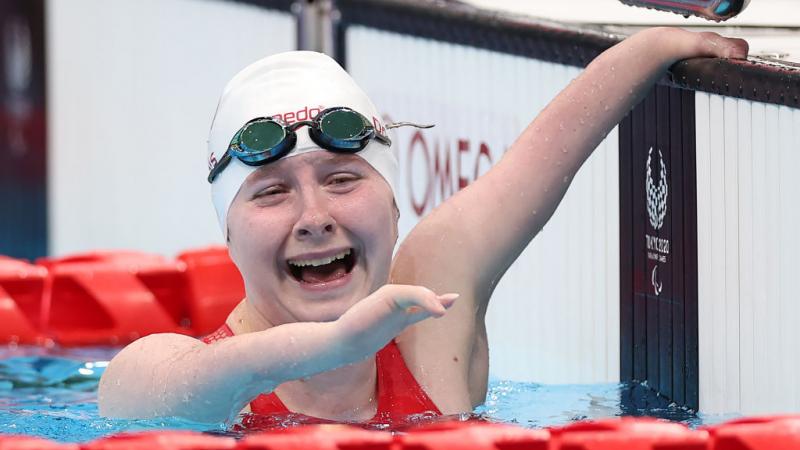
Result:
[[174, 375], [468, 242]]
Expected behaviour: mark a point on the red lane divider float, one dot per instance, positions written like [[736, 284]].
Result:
[[474, 436], [628, 434], [21, 286], [104, 298], [753, 433], [215, 286], [319, 437], [765, 433], [161, 440], [15, 442]]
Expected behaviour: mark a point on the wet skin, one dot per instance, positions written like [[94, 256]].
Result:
[[306, 206], [315, 347]]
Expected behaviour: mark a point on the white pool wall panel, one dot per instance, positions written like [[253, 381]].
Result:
[[554, 317], [132, 88], [748, 204]]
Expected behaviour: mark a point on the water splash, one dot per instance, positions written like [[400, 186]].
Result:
[[42, 397]]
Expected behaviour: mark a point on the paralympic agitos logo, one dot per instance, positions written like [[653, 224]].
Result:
[[656, 194]]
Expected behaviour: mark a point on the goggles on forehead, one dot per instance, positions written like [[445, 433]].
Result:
[[266, 139]]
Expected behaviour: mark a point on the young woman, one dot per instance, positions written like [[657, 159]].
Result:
[[332, 326]]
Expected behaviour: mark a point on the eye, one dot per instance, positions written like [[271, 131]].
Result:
[[341, 178], [270, 191], [342, 181]]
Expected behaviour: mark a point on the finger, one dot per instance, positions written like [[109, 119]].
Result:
[[432, 304], [712, 44], [447, 300], [738, 48], [406, 296], [428, 301]]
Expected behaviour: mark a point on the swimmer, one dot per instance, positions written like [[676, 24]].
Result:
[[332, 325]]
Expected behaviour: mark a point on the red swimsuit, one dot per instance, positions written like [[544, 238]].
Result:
[[399, 394]]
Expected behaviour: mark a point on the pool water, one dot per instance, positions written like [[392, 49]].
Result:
[[51, 393]]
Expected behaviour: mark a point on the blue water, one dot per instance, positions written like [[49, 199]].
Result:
[[51, 393]]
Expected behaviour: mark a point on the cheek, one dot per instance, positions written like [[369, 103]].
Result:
[[370, 215], [255, 236]]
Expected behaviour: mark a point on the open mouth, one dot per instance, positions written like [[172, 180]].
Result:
[[323, 270]]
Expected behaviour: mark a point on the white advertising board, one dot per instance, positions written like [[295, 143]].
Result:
[[132, 86]]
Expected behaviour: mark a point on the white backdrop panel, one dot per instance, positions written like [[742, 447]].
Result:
[[132, 88], [748, 217], [554, 317]]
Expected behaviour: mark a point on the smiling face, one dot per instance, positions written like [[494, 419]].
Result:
[[312, 235]]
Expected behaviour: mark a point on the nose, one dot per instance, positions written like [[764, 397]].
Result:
[[315, 220]]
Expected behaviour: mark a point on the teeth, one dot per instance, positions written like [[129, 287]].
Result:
[[319, 262]]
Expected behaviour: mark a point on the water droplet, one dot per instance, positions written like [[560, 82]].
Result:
[[561, 126], [547, 139], [582, 121], [606, 108], [564, 150], [566, 179]]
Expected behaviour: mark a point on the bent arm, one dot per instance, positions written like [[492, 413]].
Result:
[[174, 375], [489, 223], [469, 241]]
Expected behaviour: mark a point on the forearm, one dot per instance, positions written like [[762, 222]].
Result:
[[167, 375], [231, 372], [526, 186], [171, 375], [566, 132]]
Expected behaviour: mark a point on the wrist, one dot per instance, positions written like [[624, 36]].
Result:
[[671, 44]]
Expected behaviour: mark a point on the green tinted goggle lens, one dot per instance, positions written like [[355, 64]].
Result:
[[265, 139], [342, 124], [260, 136]]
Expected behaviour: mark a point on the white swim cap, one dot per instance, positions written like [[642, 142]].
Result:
[[295, 86]]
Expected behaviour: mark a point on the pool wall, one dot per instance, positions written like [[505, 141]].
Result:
[[748, 202], [587, 301]]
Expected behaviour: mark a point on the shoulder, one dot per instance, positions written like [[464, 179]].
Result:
[[153, 347], [145, 355]]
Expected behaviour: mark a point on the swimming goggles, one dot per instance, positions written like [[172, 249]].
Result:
[[266, 139]]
